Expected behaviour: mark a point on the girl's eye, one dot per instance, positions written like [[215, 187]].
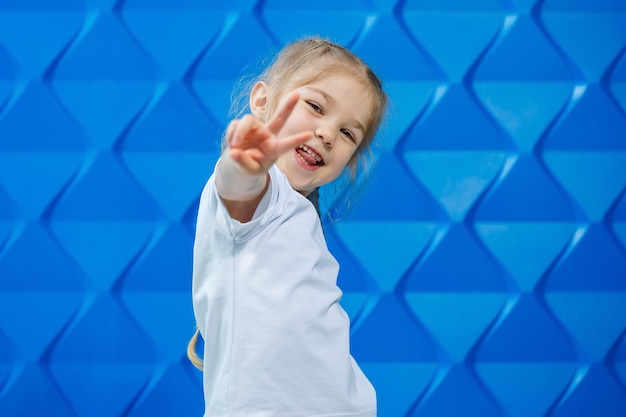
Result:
[[315, 107], [348, 134]]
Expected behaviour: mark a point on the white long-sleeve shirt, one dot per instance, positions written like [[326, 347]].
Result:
[[266, 302]]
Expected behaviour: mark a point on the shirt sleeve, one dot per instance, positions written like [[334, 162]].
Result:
[[212, 208]]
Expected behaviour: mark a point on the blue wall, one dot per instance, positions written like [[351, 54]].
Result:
[[484, 267]]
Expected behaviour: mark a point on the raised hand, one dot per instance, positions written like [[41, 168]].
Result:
[[254, 145]]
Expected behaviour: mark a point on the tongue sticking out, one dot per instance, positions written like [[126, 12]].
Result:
[[306, 157]]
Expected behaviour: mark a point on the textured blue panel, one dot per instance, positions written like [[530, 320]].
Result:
[[456, 179], [105, 389], [175, 33], [28, 306], [458, 392], [412, 239], [620, 361], [436, 131], [173, 122], [90, 85], [514, 244], [604, 131], [405, 201], [218, 69], [164, 263], [400, 384], [449, 6], [522, 53], [526, 332], [174, 186], [595, 262], [374, 48], [50, 400], [161, 324], [483, 264], [174, 382], [34, 261], [585, 6], [353, 278], [54, 31], [118, 57], [618, 82], [594, 179], [592, 50], [619, 221], [54, 131], [6, 77], [582, 313], [457, 263], [525, 192], [596, 392], [46, 174], [219, 61], [7, 357], [288, 21], [96, 193], [40, 5], [7, 218], [405, 339], [456, 320], [524, 109], [100, 333], [409, 100], [526, 389], [175, 134], [438, 27]]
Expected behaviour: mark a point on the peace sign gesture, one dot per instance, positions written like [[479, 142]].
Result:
[[254, 145]]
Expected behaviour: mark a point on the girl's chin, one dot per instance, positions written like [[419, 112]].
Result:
[[301, 187]]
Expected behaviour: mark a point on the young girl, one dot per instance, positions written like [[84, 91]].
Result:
[[265, 296]]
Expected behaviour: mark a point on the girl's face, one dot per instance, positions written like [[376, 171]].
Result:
[[337, 109]]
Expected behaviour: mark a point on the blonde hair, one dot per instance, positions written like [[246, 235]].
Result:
[[191, 351], [300, 63]]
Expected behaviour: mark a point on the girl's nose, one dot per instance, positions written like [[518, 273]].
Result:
[[324, 136]]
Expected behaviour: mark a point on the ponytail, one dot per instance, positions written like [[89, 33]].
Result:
[[191, 351]]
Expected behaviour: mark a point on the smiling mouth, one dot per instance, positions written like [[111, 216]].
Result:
[[308, 156]]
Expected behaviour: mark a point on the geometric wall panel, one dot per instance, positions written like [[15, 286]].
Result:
[[483, 261]]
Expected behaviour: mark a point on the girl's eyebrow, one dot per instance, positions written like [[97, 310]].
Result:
[[330, 99], [322, 92]]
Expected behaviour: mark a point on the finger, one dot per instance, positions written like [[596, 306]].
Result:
[[250, 161], [281, 116], [293, 141], [244, 129], [229, 132]]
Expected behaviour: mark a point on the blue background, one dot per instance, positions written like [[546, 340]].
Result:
[[484, 267]]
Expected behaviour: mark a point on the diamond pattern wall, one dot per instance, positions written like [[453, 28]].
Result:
[[484, 266]]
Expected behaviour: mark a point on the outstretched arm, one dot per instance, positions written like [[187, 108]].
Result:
[[253, 146]]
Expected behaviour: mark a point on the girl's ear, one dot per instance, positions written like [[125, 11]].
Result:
[[258, 99]]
